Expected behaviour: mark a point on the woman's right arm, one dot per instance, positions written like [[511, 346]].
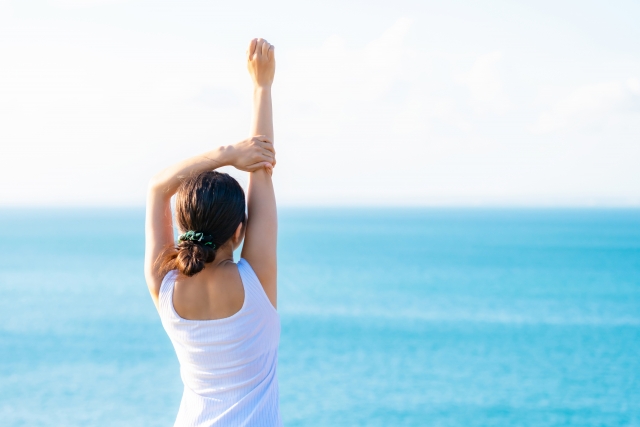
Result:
[[248, 155], [260, 241]]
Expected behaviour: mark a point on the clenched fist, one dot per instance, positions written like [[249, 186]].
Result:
[[261, 62]]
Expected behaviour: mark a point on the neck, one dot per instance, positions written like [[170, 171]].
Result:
[[223, 254]]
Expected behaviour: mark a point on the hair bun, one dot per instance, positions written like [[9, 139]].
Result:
[[209, 208], [192, 257]]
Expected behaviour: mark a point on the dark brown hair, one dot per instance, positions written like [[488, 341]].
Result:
[[211, 203]]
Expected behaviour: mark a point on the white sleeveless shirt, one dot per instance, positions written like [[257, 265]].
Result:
[[228, 366]]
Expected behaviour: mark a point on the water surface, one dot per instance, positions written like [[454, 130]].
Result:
[[390, 317]]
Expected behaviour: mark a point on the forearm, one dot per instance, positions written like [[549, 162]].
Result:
[[261, 198], [261, 195], [262, 122], [261, 204], [166, 182]]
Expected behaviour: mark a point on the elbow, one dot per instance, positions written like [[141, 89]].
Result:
[[157, 185], [154, 184]]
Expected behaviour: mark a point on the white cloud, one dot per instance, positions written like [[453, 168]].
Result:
[[333, 75], [485, 85], [588, 105]]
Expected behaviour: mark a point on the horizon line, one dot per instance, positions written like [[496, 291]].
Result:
[[515, 206]]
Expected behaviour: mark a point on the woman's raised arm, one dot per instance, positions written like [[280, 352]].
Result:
[[249, 155], [262, 227]]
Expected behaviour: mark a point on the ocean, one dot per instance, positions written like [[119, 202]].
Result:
[[390, 317]]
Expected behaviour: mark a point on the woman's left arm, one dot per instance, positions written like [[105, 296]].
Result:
[[248, 155]]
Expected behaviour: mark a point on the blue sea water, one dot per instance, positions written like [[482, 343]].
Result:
[[415, 317]]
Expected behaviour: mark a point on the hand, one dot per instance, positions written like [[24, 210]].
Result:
[[261, 62], [253, 154]]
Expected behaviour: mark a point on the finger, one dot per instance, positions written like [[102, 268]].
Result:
[[263, 138], [265, 155], [252, 47], [267, 146], [271, 51], [270, 154], [269, 157], [254, 167], [265, 49], [259, 45], [257, 166]]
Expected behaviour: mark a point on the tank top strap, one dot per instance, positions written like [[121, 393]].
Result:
[[166, 294], [252, 286]]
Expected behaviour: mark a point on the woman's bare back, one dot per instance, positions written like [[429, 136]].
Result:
[[214, 293]]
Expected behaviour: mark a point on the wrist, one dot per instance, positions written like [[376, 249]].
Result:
[[257, 88], [222, 156]]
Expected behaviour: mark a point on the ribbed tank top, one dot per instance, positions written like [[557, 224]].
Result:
[[228, 366]]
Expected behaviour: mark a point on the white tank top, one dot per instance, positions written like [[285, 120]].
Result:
[[228, 366]]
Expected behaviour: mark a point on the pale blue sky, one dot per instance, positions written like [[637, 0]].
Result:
[[387, 103]]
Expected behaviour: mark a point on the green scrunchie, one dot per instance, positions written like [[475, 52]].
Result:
[[197, 237]]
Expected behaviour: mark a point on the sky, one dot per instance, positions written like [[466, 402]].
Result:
[[390, 103]]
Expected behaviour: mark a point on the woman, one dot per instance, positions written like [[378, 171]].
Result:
[[221, 316]]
